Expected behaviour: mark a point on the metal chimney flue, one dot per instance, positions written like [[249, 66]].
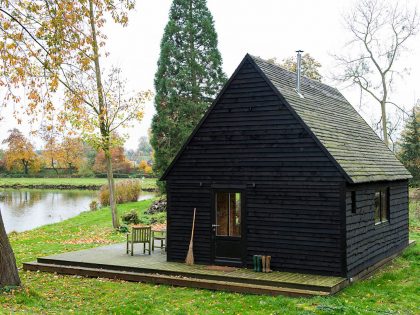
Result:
[[298, 71]]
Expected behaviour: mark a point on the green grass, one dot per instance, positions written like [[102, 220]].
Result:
[[393, 290], [147, 183]]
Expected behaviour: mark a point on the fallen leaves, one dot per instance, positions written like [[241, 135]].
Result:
[[88, 240]]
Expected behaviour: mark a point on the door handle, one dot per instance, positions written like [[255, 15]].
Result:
[[215, 225]]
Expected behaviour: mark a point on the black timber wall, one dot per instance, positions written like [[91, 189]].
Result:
[[366, 242], [292, 213]]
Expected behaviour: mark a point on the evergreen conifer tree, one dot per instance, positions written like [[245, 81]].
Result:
[[410, 144], [188, 78]]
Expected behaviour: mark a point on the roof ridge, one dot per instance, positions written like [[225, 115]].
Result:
[[317, 109], [291, 72]]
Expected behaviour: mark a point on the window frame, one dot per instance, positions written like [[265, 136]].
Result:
[[229, 212], [383, 215], [353, 201]]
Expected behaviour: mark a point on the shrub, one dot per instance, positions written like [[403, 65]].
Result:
[[85, 171], [93, 205], [123, 229], [130, 217], [125, 191]]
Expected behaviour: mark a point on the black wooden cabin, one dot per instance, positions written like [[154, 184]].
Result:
[[300, 177]]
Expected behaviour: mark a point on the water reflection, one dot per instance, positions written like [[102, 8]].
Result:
[[25, 209]]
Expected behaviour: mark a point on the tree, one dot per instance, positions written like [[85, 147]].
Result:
[[310, 67], [409, 152], [2, 166], [71, 152], [145, 168], [8, 272], [48, 44], [144, 149], [119, 161], [52, 153], [20, 153], [380, 32], [189, 76]]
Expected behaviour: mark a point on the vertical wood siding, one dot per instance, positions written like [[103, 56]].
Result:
[[292, 213], [368, 243]]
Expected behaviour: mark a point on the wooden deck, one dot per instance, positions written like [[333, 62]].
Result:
[[112, 262]]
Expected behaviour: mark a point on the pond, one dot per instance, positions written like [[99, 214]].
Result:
[[26, 209]]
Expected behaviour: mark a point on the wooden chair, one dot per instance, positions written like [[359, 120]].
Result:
[[140, 235], [159, 236]]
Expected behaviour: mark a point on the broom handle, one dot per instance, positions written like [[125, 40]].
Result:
[[192, 231]]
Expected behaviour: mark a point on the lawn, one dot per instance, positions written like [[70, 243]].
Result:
[[80, 183], [393, 290]]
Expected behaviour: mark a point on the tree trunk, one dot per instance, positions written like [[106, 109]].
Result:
[[25, 167], [105, 133], [384, 125], [53, 166], [8, 270], [111, 185]]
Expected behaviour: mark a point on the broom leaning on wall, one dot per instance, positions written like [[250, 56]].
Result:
[[189, 260]]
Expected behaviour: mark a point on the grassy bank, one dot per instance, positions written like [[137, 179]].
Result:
[[68, 183], [394, 290]]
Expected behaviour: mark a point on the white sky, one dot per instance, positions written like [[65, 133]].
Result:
[[266, 28]]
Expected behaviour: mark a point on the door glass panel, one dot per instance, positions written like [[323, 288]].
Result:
[[228, 214], [222, 214]]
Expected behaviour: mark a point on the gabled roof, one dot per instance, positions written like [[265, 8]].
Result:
[[335, 125], [351, 142]]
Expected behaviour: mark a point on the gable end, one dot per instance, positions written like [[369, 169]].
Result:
[[249, 60]]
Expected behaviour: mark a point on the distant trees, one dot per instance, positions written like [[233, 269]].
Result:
[[119, 161], [380, 32], [144, 149], [409, 145], [20, 154], [52, 153], [67, 154], [72, 151], [47, 45], [309, 68], [145, 168], [189, 76]]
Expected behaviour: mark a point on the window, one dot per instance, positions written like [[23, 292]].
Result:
[[228, 214], [353, 202], [381, 205]]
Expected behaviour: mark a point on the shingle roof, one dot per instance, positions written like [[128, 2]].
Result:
[[347, 137]]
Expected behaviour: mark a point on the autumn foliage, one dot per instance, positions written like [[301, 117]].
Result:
[[145, 168], [120, 163], [20, 154], [125, 191]]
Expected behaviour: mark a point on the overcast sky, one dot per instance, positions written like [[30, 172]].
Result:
[[266, 28]]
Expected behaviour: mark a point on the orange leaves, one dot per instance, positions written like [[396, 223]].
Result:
[[60, 43], [88, 240], [54, 83], [33, 95], [145, 168], [20, 153]]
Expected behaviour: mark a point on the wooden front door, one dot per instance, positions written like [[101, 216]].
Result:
[[227, 228]]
